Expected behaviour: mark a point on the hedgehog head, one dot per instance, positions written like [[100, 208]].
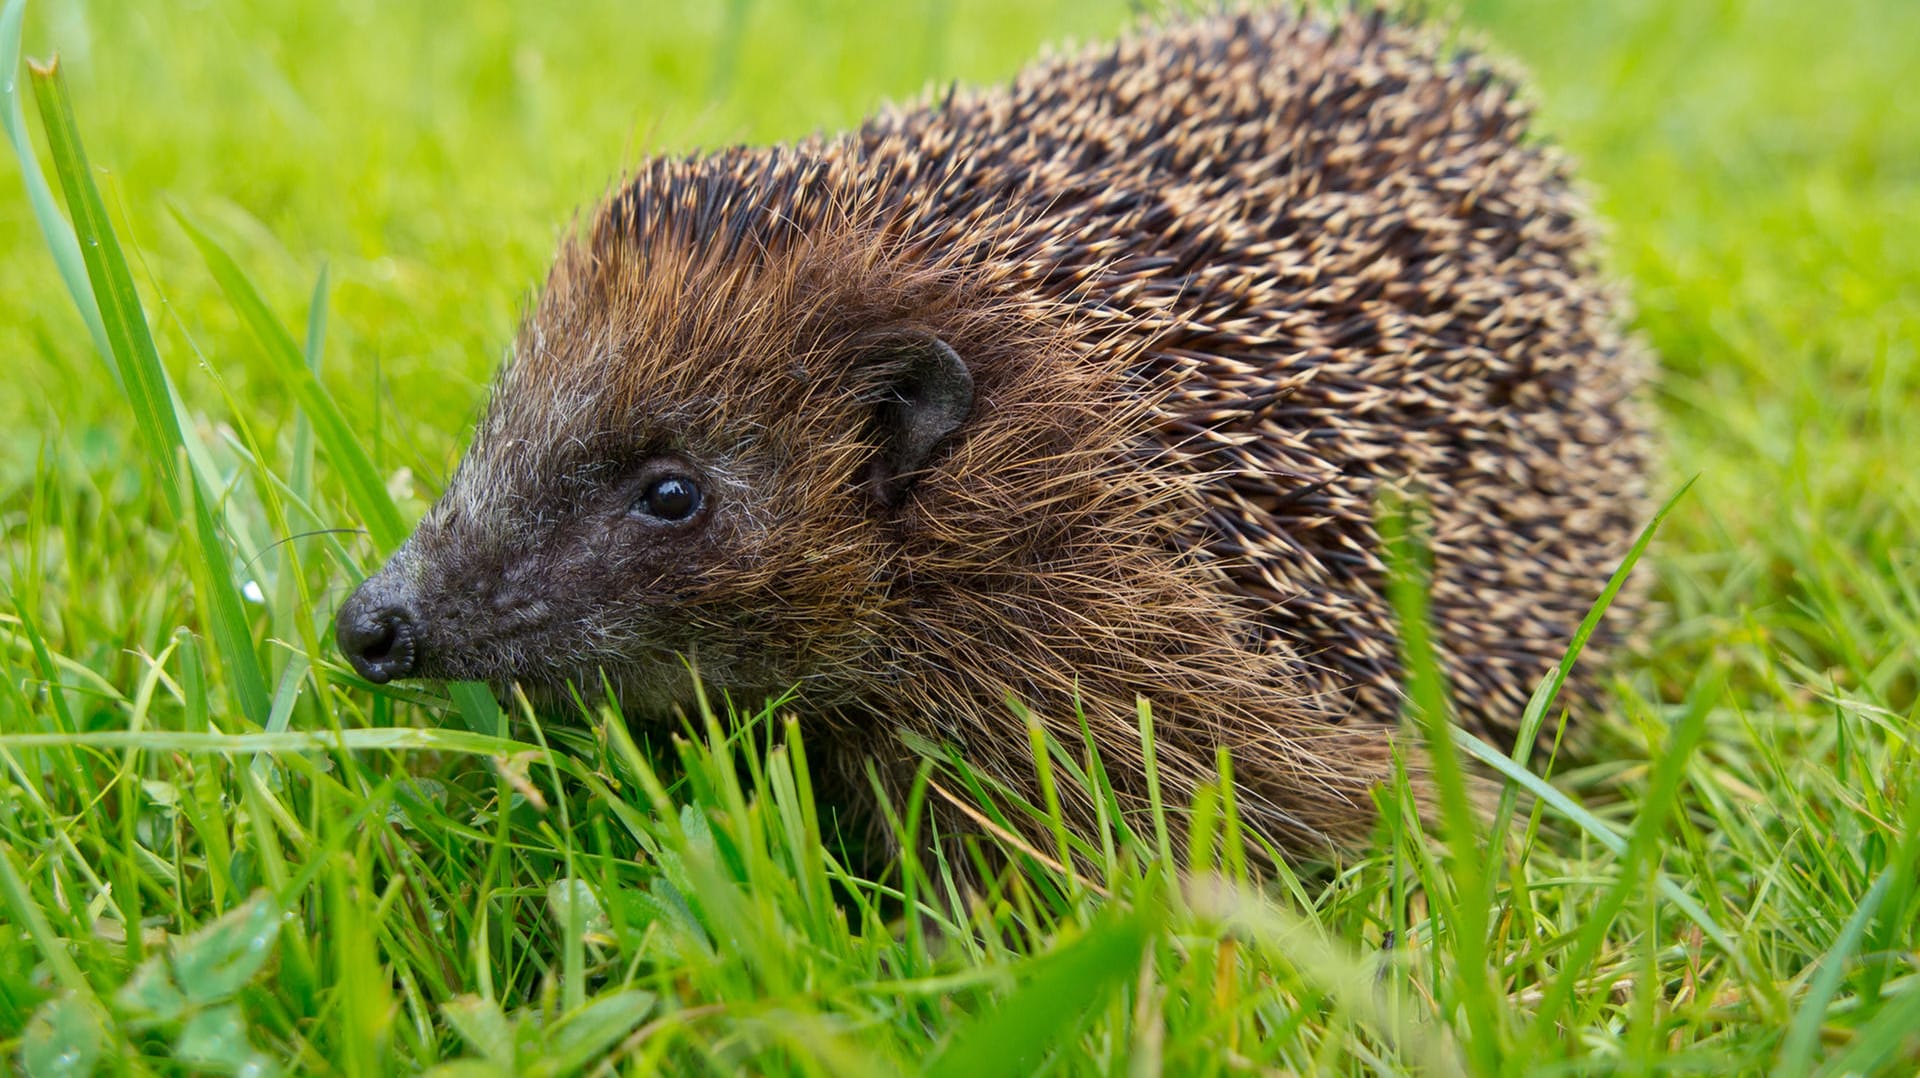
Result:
[[717, 444]]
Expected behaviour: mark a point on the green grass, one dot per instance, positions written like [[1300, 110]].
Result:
[[218, 850]]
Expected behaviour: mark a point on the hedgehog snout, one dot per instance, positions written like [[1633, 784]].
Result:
[[379, 629]]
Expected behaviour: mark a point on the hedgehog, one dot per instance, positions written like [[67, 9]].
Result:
[[1071, 394]]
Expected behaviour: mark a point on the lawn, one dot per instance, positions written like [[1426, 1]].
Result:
[[220, 852]]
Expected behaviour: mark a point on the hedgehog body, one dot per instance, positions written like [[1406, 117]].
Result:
[[1074, 392]]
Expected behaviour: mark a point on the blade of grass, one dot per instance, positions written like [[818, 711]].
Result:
[[129, 341], [1466, 908], [293, 601], [382, 738], [478, 709], [285, 695], [46, 212], [27, 914], [145, 382], [1063, 988], [1878, 1045], [1542, 700], [302, 478], [1163, 842], [227, 618]]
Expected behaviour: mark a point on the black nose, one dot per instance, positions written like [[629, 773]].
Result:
[[379, 635]]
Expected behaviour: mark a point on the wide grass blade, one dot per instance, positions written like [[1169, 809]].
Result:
[[145, 382], [478, 709], [1063, 988]]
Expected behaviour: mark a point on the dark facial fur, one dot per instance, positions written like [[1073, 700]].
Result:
[[1207, 291]]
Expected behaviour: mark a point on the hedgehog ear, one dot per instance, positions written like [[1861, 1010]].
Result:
[[928, 393]]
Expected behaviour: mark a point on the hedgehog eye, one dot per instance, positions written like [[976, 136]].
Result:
[[672, 498]]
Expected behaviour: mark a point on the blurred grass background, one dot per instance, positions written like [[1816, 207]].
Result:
[[1759, 164]]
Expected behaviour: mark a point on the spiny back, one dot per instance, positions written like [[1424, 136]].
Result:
[[1338, 261]]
